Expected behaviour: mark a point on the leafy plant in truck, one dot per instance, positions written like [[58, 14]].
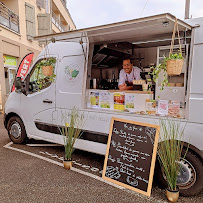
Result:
[[175, 56], [41, 80], [42, 83], [162, 66], [156, 71], [47, 62]]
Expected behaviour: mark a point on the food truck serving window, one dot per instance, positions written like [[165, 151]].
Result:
[[144, 40], [144, 97]]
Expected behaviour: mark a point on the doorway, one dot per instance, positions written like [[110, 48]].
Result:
[[10, 73]]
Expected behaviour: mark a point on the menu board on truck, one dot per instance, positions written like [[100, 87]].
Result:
[[131, 154]]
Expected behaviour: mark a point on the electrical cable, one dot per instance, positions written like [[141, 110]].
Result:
[[144, 8]]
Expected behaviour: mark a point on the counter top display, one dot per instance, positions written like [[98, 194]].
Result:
[[118, 100], [138, 102]]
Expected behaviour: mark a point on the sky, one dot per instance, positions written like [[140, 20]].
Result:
[[89, 13]]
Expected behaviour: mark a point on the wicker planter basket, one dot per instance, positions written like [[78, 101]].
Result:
[[47, 70], [174, 66]]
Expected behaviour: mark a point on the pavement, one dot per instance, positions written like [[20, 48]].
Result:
[[35, 173]]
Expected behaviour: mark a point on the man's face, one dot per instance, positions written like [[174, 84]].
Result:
[[127, 66]]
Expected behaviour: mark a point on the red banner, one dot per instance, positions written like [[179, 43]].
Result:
[[23, 68]]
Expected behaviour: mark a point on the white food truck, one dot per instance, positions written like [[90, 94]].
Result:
[[87, 68]]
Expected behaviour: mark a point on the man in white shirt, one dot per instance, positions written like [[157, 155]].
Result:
[[127, 75]]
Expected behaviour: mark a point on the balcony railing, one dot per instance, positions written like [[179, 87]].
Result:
[[63, 2], [8, 18], [57, 22]]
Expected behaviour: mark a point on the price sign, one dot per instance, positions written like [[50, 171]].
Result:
[[131, 154]]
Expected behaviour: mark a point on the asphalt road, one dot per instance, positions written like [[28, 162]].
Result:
[[34, 173]]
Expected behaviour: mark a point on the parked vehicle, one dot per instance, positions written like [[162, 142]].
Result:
[[83, 55]]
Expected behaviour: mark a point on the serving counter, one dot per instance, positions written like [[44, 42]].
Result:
[[128, 100]]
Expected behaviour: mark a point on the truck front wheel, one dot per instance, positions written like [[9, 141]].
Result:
[[16, 130], [190, 177]]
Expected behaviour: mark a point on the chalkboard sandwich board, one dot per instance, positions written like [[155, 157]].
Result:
[[131, 154]]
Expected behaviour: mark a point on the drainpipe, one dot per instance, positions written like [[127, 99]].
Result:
[[47, 6], [51, 32]]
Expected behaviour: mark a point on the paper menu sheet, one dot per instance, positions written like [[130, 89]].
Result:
[[119, 101], [94, 99], [163, 107], [104, 99], [174, 108], [150, 106], [129, 101]]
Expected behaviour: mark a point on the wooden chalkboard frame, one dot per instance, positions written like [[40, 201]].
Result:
[[151, 173]]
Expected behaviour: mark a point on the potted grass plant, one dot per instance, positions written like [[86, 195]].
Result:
[[170, 153], [71, 131]]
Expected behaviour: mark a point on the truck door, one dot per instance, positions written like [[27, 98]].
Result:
[[38, 104], [71, 81]]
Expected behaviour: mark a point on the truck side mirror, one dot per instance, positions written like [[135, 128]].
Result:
[[18, 84]]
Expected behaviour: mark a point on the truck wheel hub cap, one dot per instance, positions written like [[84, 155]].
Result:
[[187, 175], [15, 130]]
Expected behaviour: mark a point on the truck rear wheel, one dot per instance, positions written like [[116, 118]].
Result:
[[16, 130], [190, 178]]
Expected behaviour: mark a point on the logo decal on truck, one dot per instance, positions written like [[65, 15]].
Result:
[[72, 73]]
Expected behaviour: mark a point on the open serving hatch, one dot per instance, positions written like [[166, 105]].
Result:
[[151, 29]]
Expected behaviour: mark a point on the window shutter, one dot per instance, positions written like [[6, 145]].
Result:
[[44, 24], [30, 21], [40, 3]]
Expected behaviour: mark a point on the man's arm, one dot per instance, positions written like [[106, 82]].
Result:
[[125, 87], [122, 85]]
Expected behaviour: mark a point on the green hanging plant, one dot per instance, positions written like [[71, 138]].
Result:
[[162, 66], [47, 62], [42, 81]]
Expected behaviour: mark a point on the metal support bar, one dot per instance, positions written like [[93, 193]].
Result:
[[159, 40]]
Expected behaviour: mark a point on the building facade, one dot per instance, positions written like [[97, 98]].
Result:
[[20, 21]]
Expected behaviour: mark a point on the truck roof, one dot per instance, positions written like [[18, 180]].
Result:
[[141, 29]]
